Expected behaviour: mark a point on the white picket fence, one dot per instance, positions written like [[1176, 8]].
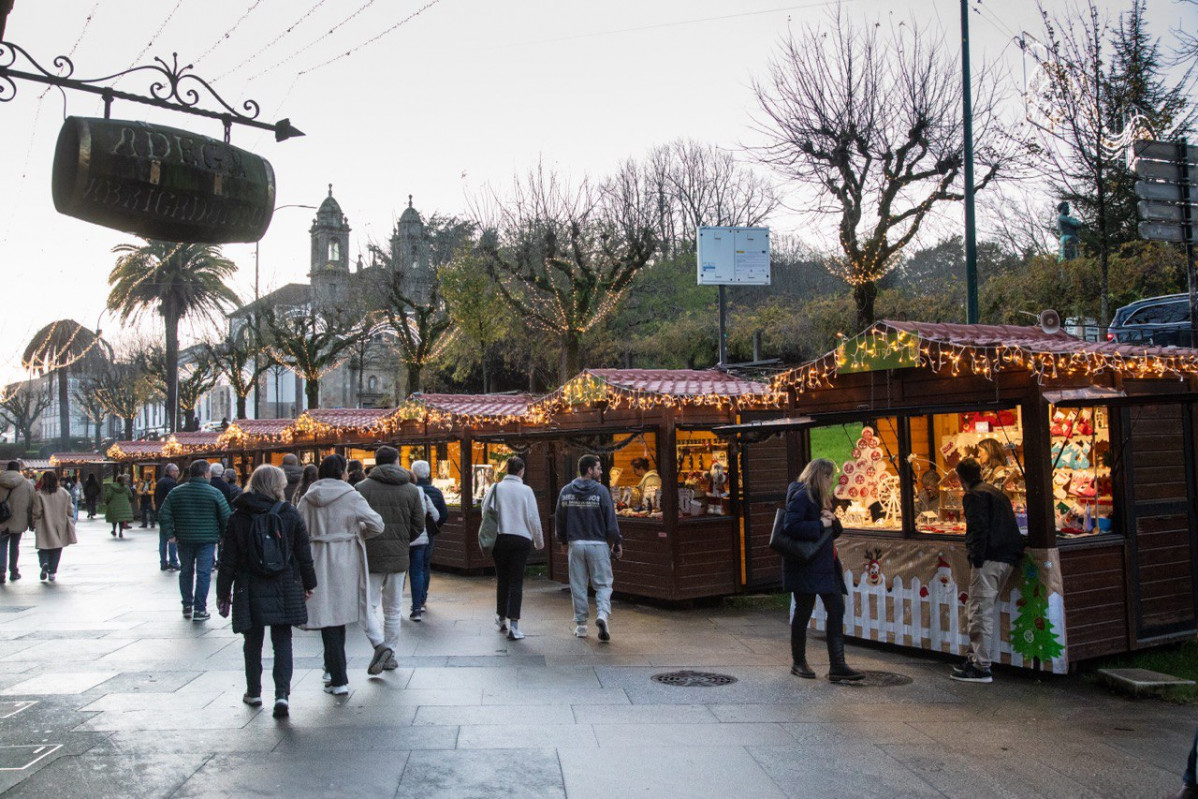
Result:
[[938, 621]]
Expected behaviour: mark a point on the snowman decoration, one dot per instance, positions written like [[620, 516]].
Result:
[[864, 481]]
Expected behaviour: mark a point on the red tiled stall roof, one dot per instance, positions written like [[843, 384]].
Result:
[[325, 421], [492, 405], [680, 382], [77, 457], [196, 439], [262, 427], [135, 449], [954, 349]]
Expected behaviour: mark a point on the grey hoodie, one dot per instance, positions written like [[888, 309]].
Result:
[[19, 493], [585, 512]]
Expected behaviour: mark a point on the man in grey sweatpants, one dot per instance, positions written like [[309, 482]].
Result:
[[587, 531]]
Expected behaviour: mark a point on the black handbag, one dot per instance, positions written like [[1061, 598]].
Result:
[[788, 547]]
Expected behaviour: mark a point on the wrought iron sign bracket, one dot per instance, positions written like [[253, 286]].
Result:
[[172, 89]]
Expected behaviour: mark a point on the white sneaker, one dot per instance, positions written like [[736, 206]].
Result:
[[327, 679], [580, 631], [514, 634], [604, 634], [501, 623], [336, 690]]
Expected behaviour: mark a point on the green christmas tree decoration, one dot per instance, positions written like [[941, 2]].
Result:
[[1032, 634]]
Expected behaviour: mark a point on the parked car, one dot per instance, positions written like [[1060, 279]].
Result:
[[1161, 321]]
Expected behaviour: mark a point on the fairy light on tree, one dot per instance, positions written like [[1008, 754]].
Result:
[[59, 348], [311, 343], [242, 359]]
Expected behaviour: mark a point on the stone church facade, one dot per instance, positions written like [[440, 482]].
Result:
[[369, 376]]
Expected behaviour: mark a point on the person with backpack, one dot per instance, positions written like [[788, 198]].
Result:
[[16, 516], [339, 520], [265, 578]]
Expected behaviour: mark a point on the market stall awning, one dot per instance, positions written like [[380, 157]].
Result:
[[467, 409], [243, 433], [77, 458], [957, 349], [647, 388], [135, 450], [323, 422], [763, 428]]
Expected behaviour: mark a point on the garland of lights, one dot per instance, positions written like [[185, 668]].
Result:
[[954, 360]]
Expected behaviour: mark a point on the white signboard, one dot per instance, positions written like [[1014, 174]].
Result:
[[734, 256]]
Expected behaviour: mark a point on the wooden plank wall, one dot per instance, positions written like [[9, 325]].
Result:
[[1095, 601], [707, 562], [766, 474]]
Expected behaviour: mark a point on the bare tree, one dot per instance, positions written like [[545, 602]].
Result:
[[242, 358], [198, 377], [310, 343], [123, 389], [873, 129], [87, 400], [22, 406], [564, 257]]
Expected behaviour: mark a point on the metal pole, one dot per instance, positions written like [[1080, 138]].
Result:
[[1187, 231], [254, 330], [971, 244], [723, 327]]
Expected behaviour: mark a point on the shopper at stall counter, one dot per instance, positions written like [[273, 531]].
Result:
[[586, 528], [808, 514], [649, 480], [994, 546]]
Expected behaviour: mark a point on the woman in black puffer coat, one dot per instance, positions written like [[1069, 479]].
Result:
[[257, 601], [808, 514]]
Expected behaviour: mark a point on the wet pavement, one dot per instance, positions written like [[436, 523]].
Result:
[[106, 691]]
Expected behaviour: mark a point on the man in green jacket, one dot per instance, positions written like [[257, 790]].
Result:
[[194, 516]]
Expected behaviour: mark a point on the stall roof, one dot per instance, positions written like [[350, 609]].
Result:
[[467, 408], [956, 349], [645, 388], [333, 421], [247, 432], [128, 450], [60, 458]]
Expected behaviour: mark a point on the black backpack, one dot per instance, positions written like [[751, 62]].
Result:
[[269, 548], [5, 511]]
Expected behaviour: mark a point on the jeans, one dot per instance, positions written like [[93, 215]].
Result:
[[386, 588], [333, 639], [196, 562], [149, 517], [428, 568], [590, 560], [984, 586], [280, 641], [48, 558], [1189, 779], [419, 572], [165, 546], [511, 555], [804, 604], [10, 549]]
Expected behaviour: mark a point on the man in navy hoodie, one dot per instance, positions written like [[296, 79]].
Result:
[[587, 531]]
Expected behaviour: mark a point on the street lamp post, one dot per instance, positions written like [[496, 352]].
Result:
[[257, 296]]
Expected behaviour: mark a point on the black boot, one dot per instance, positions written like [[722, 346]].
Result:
[[798, 653], [839, 671]]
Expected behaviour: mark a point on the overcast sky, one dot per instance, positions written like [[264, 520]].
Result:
[[464, 95]]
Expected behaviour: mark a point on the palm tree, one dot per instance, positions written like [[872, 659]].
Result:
[[174, 280]]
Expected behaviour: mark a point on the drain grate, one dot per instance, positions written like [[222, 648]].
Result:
[[693, 679], [882, 679]]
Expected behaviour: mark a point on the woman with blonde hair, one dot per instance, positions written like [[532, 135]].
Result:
[[265, 584], [808, 514]]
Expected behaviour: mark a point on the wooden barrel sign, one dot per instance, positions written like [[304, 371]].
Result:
[[160, 182]]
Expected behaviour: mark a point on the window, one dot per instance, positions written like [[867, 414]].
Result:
[[702, 474], [634, 477], [373, 383], [867, 485], [1161, 314], [334, 249], [1081, 471], [940, 441]]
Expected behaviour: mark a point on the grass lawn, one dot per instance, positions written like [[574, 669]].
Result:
[[1179, 660]]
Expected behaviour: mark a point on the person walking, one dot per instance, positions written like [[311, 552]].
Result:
[[338, 520], [310, 475], [418, 554], [217, 480], [808, 514], [18, 494], [258, 599], [423, 473], [76, 493], [994, 545], [291, 467], [118, 505], [1189, 780], [53, 524], [194, 514], [392, 494], [91, 495], [168, 550], [356, 473], [145, 500], [519, 532], [586, 528]]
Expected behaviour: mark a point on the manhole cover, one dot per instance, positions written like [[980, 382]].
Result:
[[882, 679], [693, 679]]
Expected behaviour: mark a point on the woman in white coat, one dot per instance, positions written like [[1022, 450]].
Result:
[[53, 524], [338, 521], [519, 531]]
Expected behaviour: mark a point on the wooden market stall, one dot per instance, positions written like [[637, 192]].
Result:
[[466, 439], [80, 464], [681, 536], [1092, 442], [248, 443]]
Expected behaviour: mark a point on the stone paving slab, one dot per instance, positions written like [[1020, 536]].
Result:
[[140, 702]]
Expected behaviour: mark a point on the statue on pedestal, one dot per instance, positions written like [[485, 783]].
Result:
[[1069, 229]]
